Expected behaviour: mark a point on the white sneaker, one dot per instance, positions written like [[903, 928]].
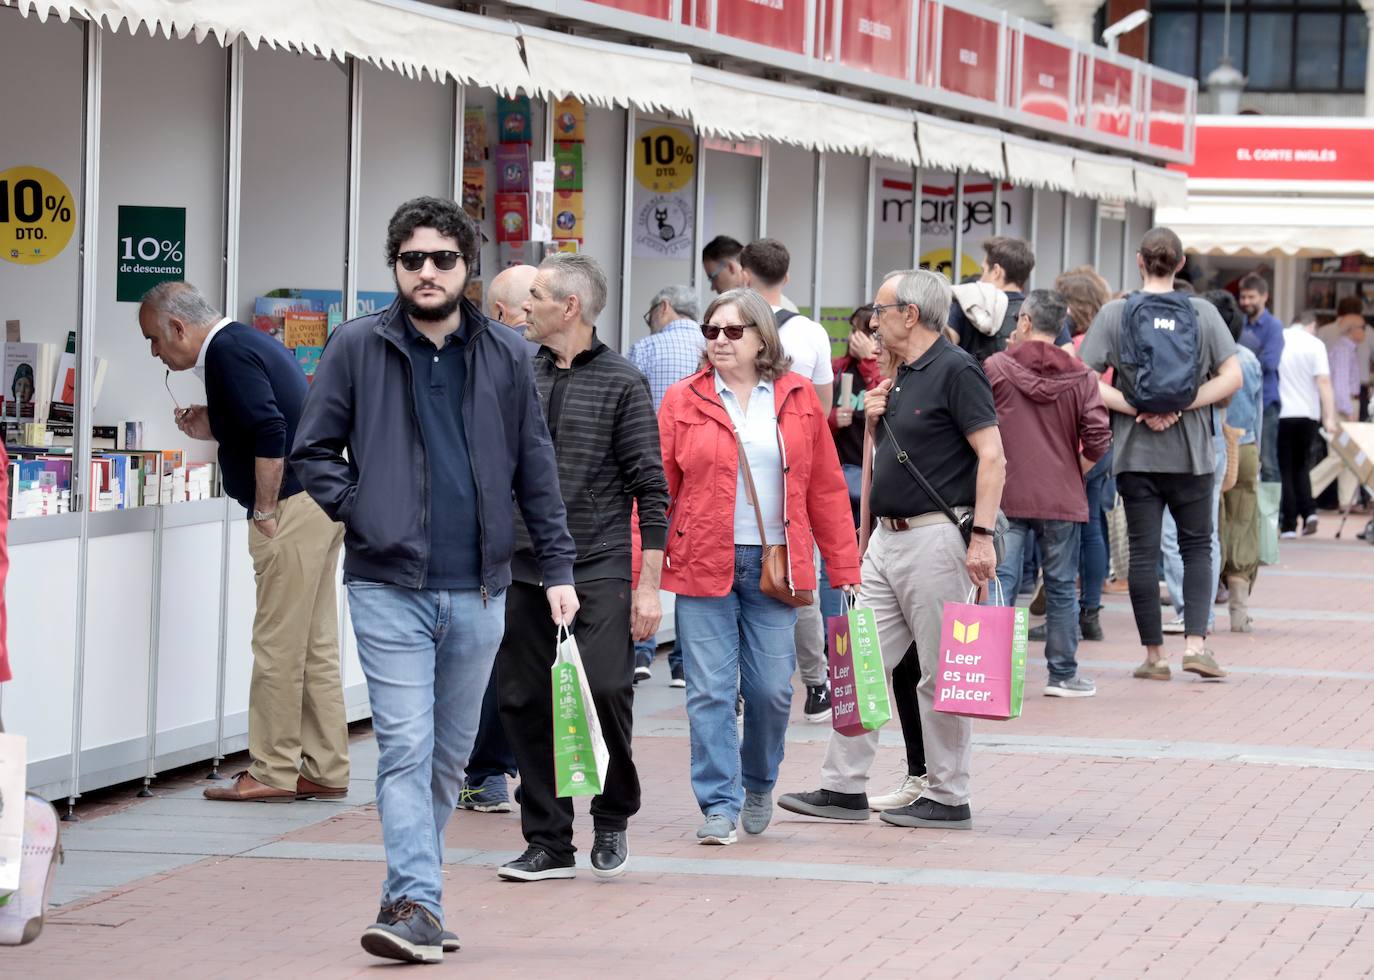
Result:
[[1289, 535], [1174, 626], [907, 793]]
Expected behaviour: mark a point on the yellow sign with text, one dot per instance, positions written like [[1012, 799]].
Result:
[[665, 160], [36, 215]]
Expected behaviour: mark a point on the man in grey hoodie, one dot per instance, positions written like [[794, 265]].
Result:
[[1055, 428]]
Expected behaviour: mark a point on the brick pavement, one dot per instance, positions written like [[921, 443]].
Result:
[[1181, 829]]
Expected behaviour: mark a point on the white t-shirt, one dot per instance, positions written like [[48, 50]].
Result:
[[1304, 360], [806, 342]]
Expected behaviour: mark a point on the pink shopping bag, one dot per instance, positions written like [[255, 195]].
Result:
[[982, 666]]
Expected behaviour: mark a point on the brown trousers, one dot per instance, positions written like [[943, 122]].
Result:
[[296, 723]]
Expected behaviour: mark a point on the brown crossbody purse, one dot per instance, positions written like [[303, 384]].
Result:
[[774, 580]]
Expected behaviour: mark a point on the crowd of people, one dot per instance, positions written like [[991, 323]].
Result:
[[494, 477]]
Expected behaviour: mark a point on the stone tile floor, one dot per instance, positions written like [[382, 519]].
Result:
[[1180, 829]]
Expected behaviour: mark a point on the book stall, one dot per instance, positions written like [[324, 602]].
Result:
[[259, 154]]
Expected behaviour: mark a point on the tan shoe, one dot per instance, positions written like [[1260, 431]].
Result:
[[1204, 665], [309, 790], [1158, 671], [245, 789]]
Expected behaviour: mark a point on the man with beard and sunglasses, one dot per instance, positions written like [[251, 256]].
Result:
[[437, 410]]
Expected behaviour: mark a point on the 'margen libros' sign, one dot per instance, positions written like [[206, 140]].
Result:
[[1283, 150]]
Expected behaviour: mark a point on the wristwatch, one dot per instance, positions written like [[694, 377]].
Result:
[[988, 532], [259, 515]]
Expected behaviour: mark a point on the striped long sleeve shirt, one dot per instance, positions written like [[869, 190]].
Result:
[[605, 436]]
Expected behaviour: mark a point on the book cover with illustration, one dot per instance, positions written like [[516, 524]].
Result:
[[308, 357], [570, 120], [512, 217], [567, 215], [512, 167], [567, 166], [269, 312], [513, 119], [474, 136], [475, 192]]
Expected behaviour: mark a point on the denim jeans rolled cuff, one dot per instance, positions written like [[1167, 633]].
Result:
[[427, 655], [1058, 541], [741, 642], [645, 650]]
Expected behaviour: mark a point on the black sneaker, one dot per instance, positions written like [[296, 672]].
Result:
[[1037, 634], [928, 813], [610, 853], [537, 864], [678, 679], [642, 674], [449, 940], [406, 931], [823, 803], [817, 703]]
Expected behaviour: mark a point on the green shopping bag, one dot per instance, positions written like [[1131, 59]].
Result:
[[870, 679], [579, 750]]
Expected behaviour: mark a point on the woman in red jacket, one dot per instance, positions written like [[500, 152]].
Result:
[[734, 637]]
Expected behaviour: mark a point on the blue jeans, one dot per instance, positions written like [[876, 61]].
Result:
[[742, 639], [1173, 560], [427, 655], [854, 482], [1093, 555], [1059, 558]]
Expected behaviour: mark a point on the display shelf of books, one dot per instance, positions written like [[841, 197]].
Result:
[[1331, 280], [38, 431]]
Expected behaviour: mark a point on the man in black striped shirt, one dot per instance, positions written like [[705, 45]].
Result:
[[605, 435]]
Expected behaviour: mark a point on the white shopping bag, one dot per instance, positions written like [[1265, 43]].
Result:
[[13, 779], [580, 757]]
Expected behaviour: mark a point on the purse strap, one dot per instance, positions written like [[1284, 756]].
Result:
[[749, 489], [918, 476]]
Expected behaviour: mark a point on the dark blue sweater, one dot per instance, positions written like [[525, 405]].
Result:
[[254, 389]]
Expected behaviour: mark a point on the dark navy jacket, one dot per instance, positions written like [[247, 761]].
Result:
[[362, 401]]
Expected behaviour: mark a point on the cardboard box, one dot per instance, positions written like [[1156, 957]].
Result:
[[1354, 444]]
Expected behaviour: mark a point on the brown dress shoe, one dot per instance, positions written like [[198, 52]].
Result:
[[308, 790], [245, 789]]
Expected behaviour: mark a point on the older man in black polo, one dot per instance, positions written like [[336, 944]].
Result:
[[940, 409]]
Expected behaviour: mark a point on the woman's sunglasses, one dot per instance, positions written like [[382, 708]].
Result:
[[444, 261], [732, 331]]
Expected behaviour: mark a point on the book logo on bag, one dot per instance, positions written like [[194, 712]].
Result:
[[841, 646], [965, 633]]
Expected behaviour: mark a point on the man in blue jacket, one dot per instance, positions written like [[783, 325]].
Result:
[[438, 413], [1263, 334]]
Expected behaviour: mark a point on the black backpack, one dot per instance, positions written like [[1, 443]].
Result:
[[981, 345], [1161, 348]]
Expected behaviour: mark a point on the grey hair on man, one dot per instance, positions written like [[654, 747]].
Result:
[[180, 301], [929, 292], [682, 300], [1047, 310], [580, 275]]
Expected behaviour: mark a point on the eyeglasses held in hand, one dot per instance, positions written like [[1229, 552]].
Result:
[[167, 381], [444, 260], [732, 331]]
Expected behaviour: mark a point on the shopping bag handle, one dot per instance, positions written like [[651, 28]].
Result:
[[563, 633], [1001, 597]]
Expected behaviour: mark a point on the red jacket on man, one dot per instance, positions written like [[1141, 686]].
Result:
[[702, 465], [1048, 405]]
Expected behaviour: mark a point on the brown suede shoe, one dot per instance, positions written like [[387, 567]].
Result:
[[308, 790], [246, 789]]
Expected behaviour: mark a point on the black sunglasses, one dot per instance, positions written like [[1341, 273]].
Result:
[[732, 331], [444, 261]]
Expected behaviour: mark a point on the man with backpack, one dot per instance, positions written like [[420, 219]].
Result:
[[1173, 358], [984, 313]]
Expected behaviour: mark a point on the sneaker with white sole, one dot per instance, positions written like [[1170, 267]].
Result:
[[1309, 526], [716, 830], [1070, 687], [490, 796], [757, 813], [406, 931], [1174, 627], [1289, 535], [642, 674], [677, 679], [537, 864], [908, 792]]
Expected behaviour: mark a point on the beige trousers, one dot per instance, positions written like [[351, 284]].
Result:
[[296, 722], [908, 576]]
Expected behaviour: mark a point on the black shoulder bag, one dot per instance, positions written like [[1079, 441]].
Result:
[[965, 523]]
